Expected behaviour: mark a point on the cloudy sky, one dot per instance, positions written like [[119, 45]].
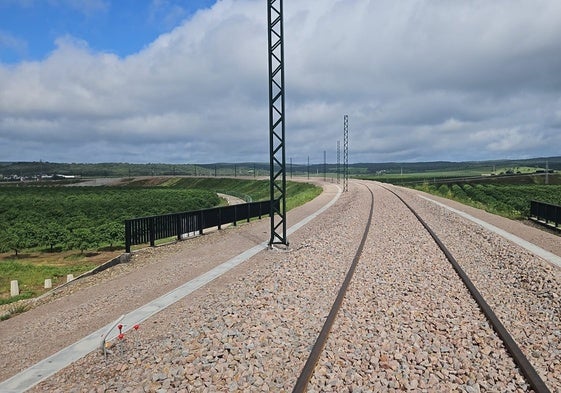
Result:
[[185, 81]]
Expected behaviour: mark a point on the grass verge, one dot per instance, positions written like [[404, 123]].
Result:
[[32, 270]]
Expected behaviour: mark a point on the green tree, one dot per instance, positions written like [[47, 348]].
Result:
[[5, 240], [18, 237], [82, 239], [53, 234], [111, 233]]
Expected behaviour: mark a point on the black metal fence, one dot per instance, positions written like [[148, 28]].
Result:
[[149, 229], [546, 213]]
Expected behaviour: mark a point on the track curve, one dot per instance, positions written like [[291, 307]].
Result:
[[405, 323], [308, 369]]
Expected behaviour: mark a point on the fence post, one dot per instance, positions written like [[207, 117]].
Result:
[[127, 236], [178, 220], [152, 231], [547, 213], [194, 221]]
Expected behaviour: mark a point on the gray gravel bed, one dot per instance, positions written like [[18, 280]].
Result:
[[253, 333], [408, 323], [523, 289]]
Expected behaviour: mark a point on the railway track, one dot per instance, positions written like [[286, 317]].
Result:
[[524, 366], [404, 322]]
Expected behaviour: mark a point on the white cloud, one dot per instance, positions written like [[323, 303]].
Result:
[[421, 80]]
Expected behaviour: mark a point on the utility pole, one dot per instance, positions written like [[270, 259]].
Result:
[[346, 153], [324, 166], [277, 169], [338, 160]]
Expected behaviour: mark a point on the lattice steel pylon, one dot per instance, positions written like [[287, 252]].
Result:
[[276, 124], [346, 153]]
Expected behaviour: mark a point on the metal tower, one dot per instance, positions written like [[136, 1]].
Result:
[[338, 161], [324, 165], [346, 153], [276, 124]]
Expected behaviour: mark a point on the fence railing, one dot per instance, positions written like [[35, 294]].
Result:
[[149, 229], [546, 213]]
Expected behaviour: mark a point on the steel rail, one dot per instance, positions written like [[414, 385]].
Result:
[[526, 368], [308, 369]]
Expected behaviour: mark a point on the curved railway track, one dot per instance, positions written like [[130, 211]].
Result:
[[533, 379], [402, 321]]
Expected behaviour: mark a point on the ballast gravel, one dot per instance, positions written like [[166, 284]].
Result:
[[523, 289], [407, 322]]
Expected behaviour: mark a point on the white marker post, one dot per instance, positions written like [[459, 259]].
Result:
[[14, 288]]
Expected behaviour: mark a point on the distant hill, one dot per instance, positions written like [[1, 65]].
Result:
[[80, 170], [540, 162], [33, 169]]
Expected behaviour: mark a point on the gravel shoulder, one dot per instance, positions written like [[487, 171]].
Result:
[[90, 303], [523, 289], [538, 236]]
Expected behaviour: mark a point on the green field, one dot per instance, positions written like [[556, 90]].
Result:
[[297, 193], [515, 175], [84, 218], [500, 187], [52, 231], [508, 200]]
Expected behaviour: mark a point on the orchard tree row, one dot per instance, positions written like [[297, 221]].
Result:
[[84, 218], [511, 201]]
